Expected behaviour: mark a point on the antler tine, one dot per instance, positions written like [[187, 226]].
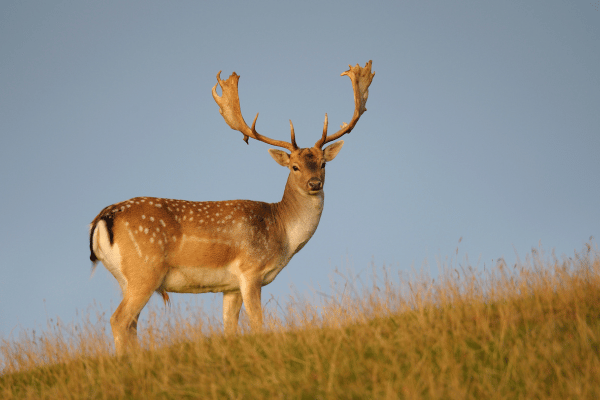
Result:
[[294, 145], [229, 107], [361, 78], [322, 140]]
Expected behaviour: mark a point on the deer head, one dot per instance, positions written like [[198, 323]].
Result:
[[307, 165]]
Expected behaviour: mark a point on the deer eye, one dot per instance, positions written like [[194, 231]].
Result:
[[295, 168], [323, 165]]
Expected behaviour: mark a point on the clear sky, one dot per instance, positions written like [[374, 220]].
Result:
[[483, 122]]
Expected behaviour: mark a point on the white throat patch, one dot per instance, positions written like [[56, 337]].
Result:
[[300, 229]]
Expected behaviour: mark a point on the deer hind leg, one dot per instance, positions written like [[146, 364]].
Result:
[[232, 303], [250, 287], [125, 319]]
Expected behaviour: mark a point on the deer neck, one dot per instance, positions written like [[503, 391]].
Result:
[[299, 214]]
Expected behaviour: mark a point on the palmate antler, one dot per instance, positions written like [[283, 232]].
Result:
[[229, 107], [361, 78]]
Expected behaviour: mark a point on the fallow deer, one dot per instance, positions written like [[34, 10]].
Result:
[[234, 247]]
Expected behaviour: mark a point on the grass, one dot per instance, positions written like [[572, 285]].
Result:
[[531, 330]]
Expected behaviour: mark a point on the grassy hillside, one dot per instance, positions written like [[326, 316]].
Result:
[[523, 331]]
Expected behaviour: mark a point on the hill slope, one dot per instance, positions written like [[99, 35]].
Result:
[[529, 331]]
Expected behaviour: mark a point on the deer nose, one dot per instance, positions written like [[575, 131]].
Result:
[[315, 184]]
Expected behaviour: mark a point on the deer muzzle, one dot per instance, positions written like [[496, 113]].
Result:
[[315, 184]]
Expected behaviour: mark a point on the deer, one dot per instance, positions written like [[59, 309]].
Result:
[[158, 245]]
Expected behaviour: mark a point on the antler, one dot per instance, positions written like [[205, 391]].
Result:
[[229, 107], [361, 78]]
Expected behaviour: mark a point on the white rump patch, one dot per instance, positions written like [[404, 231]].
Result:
[[109, 255]]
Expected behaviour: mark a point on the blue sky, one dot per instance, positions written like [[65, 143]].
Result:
[[482, 124]]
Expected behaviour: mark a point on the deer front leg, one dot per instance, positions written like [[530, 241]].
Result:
[[232, 303], [250, 288]]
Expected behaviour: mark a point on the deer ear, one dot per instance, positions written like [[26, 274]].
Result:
[[280, 156], [332, 150]]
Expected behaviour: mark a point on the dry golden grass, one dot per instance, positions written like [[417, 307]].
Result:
[[526, 331]]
